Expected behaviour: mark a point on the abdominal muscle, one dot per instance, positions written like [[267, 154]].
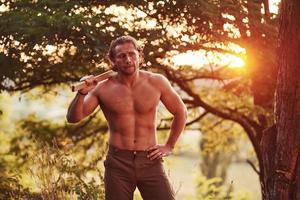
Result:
[[131, 134], [131, 141]]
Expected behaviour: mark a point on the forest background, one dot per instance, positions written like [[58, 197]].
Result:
[[220, 56]]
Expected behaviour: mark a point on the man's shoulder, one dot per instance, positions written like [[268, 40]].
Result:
[[154, 77], [109, 81], [156, 80], [103, 85]]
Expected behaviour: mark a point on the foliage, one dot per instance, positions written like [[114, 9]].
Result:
[[80, 31], [28, 146], [43, 43], [57, 176], [11, 188], [221, 144], [210, 189], [220, 136], [75, 34], [33, 128]]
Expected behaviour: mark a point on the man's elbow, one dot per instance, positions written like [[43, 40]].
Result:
[[182, 113], [185, 113], [72, 120]]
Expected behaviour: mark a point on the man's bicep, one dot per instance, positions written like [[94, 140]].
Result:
[[171, 99], [90, 104]]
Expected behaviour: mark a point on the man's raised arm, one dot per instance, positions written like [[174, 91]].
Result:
[[84, 103]]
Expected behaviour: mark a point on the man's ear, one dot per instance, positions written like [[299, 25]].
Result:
[[141, 58], [111, 62], [112, 65]]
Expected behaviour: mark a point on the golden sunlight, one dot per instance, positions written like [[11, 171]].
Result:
[[199, 59], [191, 58], [4, 8], [202, 58], [232, 61], [274, 6]]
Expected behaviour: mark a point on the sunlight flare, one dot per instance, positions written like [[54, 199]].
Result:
[[200, 59]]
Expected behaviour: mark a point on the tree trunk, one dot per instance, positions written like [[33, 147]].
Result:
[[282, 181], [262, 67]]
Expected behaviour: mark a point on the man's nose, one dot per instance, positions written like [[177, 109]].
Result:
[[127, 60]]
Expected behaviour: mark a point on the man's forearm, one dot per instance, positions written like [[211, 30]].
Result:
[[177, 127], [75, 110]]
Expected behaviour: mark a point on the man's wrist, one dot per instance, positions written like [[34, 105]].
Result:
[[170, 146]]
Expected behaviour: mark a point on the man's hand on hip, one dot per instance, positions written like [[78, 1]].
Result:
[[158, 151]]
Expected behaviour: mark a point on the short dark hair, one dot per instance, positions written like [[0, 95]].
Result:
[[122, 40]]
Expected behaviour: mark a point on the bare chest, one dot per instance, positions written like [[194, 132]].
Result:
[[121, 99]]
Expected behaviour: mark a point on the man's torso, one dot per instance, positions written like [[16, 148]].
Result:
[[130, 111]]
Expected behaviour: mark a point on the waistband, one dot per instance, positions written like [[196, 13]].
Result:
[[124, 152]]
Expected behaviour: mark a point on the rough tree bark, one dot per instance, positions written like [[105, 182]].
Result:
[[284, 177]]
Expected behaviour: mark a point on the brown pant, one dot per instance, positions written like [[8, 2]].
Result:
[[125, 170]]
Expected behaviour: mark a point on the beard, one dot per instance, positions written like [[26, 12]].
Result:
[[128, 70]]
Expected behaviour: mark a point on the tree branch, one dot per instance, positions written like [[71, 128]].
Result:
[[253, 166]]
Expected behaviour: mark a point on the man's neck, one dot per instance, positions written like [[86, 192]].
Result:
[[128, 80]]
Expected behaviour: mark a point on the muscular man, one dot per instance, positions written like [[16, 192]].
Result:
[[129, 101]]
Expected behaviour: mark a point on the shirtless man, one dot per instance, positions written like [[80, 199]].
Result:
[[129, 101]]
